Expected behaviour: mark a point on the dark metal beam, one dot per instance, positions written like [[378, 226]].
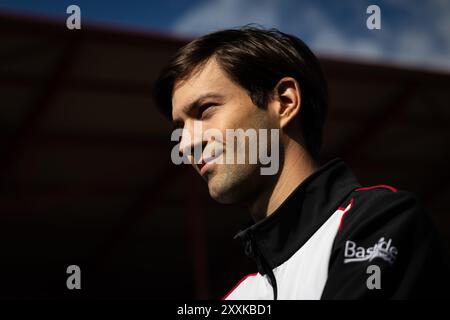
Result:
[[197, 227], [438, 184], [425, 120], [119, 140], [151, 197], [80, 84], [14, 23], [385, 117], [41, 106]]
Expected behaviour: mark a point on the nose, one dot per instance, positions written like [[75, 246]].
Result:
[[192, 143]]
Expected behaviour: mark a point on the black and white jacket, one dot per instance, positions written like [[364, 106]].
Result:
[[332, 236]]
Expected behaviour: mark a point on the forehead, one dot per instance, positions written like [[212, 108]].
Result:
[[210, 78]]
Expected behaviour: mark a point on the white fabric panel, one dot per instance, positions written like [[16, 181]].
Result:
[[302, 276]]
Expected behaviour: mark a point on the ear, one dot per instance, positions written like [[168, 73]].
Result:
[[288, 97]]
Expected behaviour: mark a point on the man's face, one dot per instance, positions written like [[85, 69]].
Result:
[[225, 105]]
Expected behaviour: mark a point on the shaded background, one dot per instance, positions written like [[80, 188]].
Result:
[[85, 170]]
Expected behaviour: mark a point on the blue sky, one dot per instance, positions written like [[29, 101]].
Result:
[[413, 33]]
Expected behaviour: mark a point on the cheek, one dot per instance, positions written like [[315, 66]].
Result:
[[243, 116]]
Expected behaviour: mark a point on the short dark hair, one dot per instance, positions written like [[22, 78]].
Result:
[[256, 59]]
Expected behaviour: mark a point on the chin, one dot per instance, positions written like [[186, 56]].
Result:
[[228, 188], [221, 196]]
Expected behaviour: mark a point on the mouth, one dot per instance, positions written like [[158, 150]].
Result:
[[200, 166], [206, 164]]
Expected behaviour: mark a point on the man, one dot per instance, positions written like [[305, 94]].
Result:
[[316, 232]]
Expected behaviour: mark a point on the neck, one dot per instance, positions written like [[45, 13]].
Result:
[[297, 166]]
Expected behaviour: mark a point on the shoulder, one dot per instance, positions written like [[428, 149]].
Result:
[[384, 213], [392, 229], [382, 207]]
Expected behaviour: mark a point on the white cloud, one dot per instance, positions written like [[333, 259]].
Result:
[[219, 14], [416, 34]]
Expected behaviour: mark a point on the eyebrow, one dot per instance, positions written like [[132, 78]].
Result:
[[195, 104]]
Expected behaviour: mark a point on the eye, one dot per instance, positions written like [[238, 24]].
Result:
[[204, 110]]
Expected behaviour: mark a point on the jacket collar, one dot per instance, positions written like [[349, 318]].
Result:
[[273, 240]]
